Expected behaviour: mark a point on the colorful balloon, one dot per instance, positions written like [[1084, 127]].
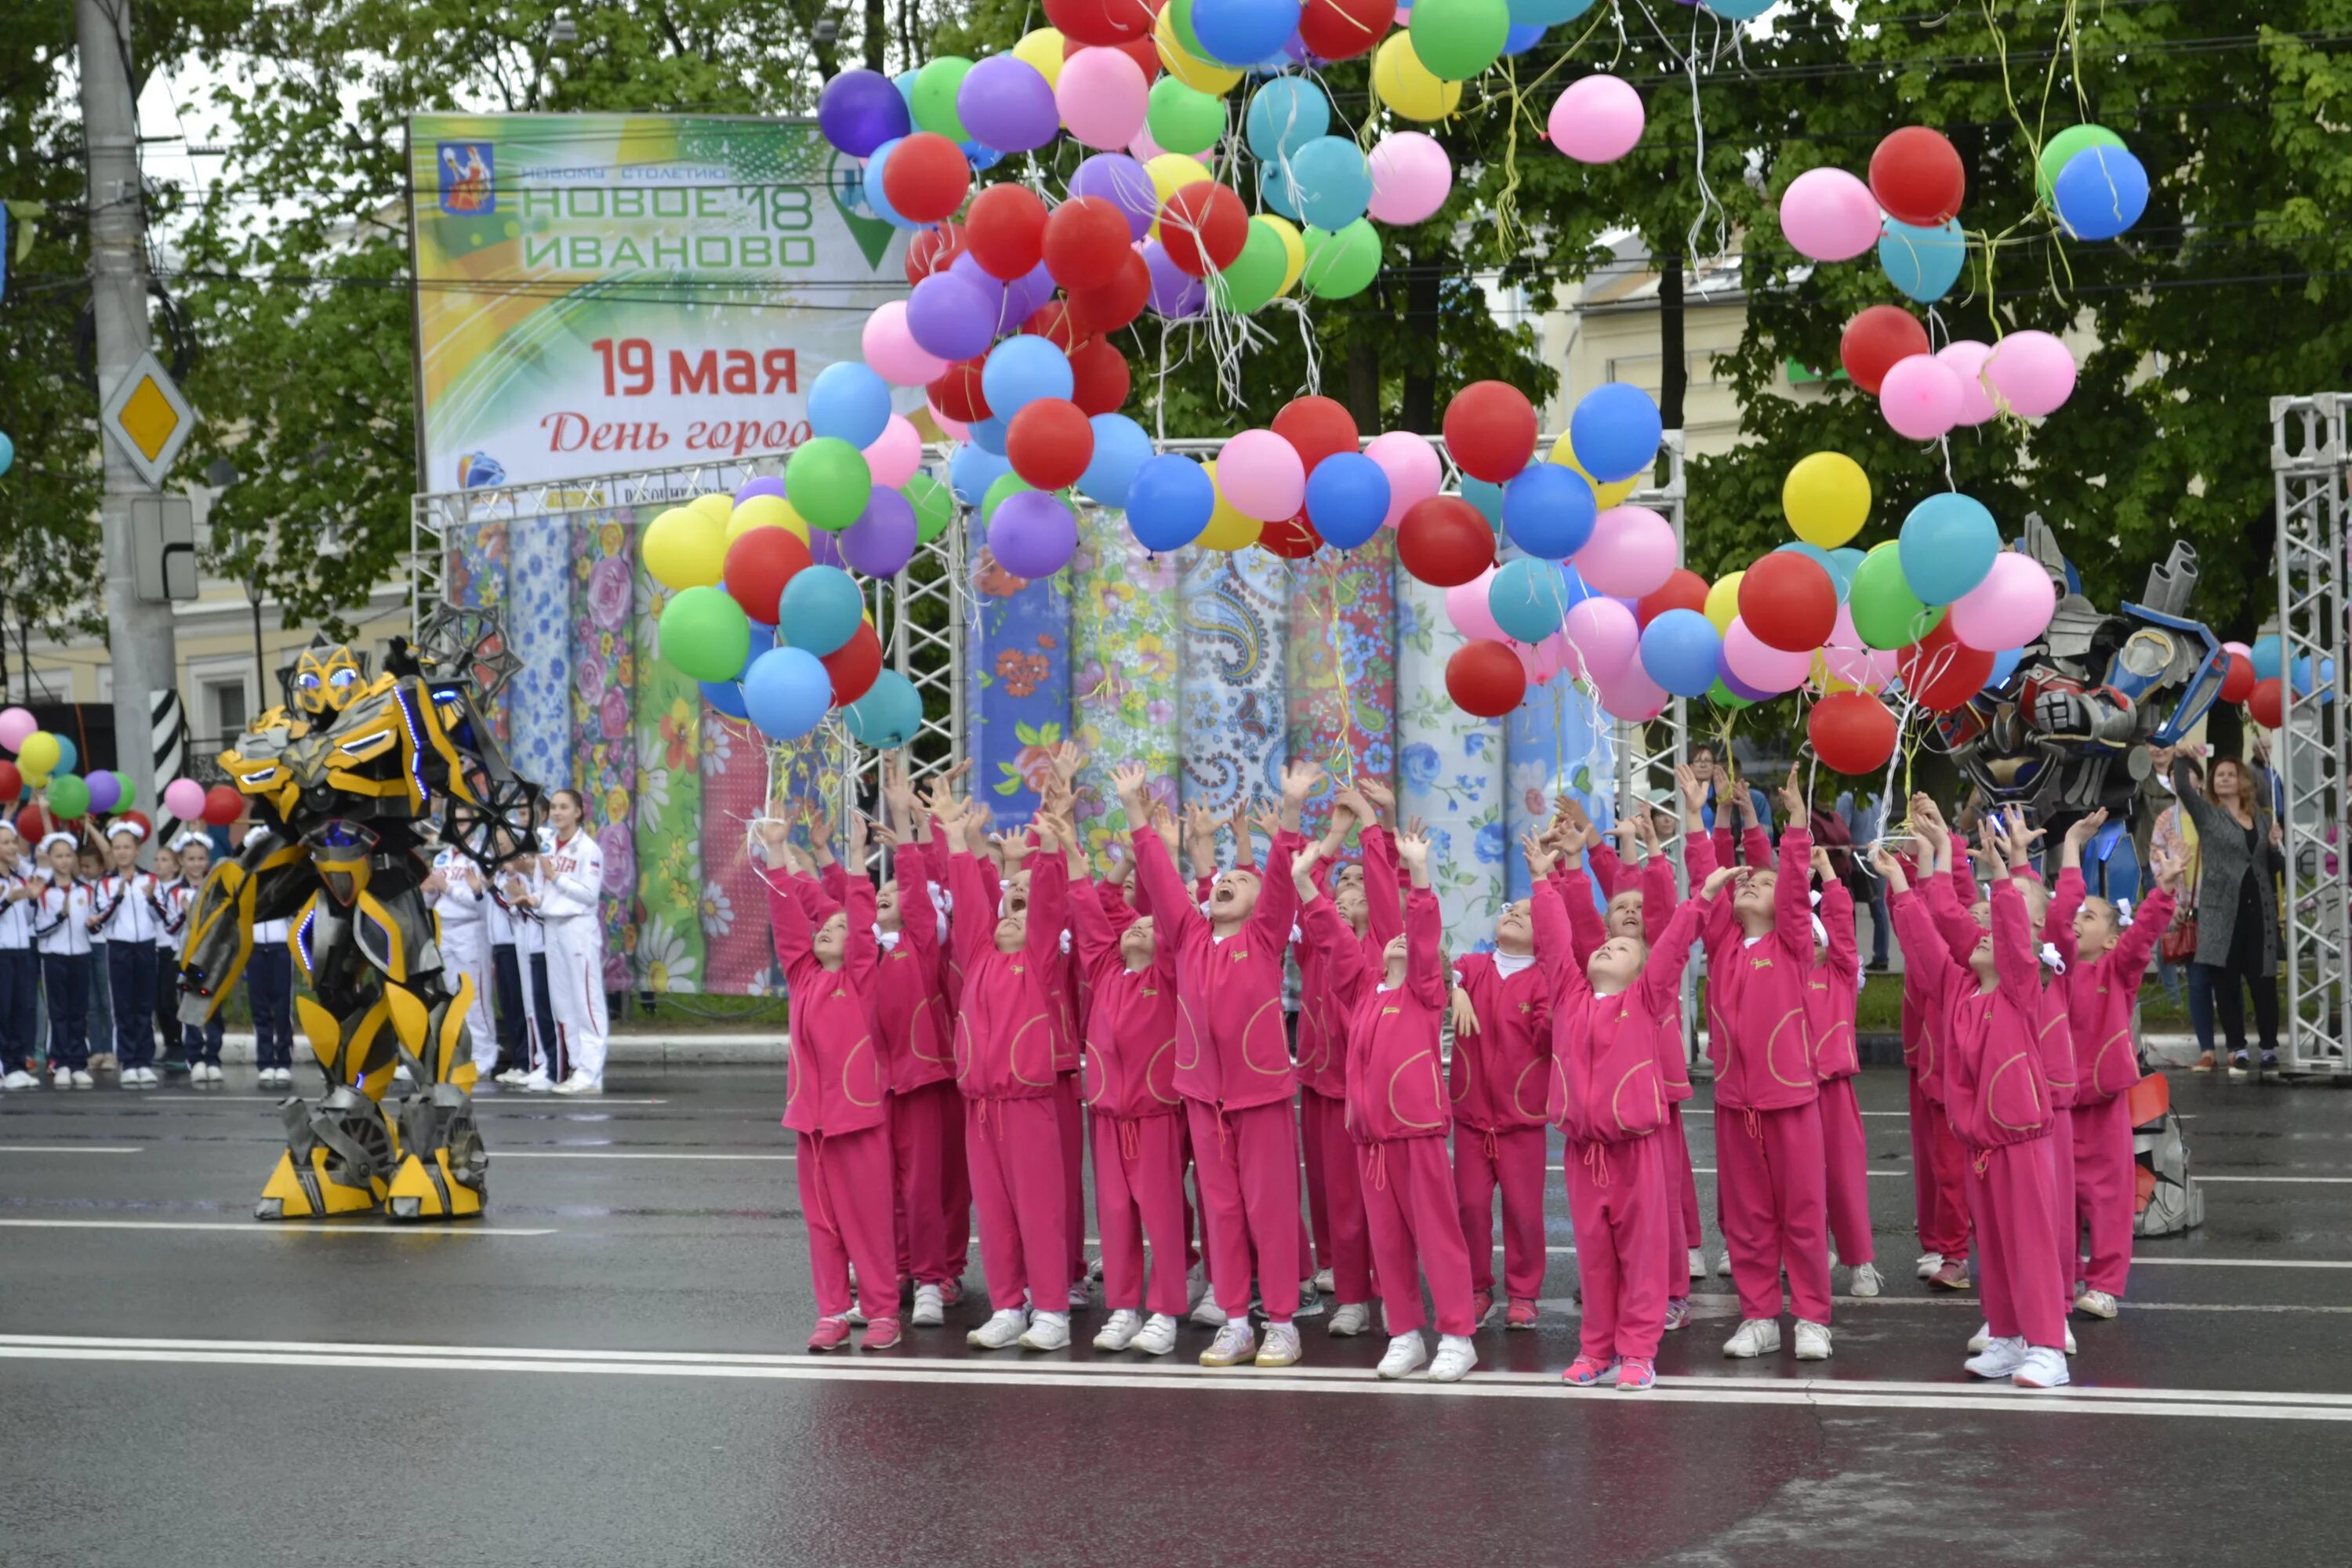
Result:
[[1875, 340], [1597, 119], [1916, 175], [1949, 543], [1852, 733], [2010, 608], [1633, 551], [1829, 215], [1826, 498], [1921, 397]]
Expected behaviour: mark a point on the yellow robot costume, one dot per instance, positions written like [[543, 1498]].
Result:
[[348, 782]]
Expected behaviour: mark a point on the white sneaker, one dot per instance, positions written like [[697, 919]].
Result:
[[1280, 1348], [1981, 1338], [1929, 1263], [1157, 1336], [1310, 1301], [1723, 1266], [148, 1079], [999, 1330], [2070, 1342], [1353, 1318], [1812, 1341], [1047, 1332], [2095, 1304], [213, 1073], [81, 1079], [18, 1078], [62, 1078], [1998, 1359], [1323, 1283], [1208, 1314], [536, 1082], [1866, 1280], [1081, 1299], [579, 1083], [1406, 1355], [1120, 1332], [1233, 1345], [1698, 1262], [930, 1308], [1456, 1357], [512, 1076], [2041, 1368], [1754, 1337]]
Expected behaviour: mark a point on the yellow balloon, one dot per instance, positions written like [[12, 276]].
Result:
[[1041, 51], [686, 547], [718, 506], [1404, 83], [1199, 75], [1604, 496], [1827, 684], [766, 511], [1826, 498], [1228, 529], [1170, 173], [40, 751], [1294, 247], [1723, 601]]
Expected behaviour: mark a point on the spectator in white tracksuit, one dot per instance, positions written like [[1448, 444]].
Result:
[[570, 885], [455, 891]]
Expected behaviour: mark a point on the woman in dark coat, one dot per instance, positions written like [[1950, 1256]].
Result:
[[2237, 909]]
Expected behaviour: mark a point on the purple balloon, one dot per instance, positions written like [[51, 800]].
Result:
[[1120, 181], [1175, 293], [1738, 687], [825, 548], [860, 109], [1023, 297], [1005, 104], [761, 487], [105, 790], [1033, 534], [951, 315], [882, 540]]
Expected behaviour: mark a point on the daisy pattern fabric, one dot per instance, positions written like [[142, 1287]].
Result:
[[663, 863], [1449, 772], [604, 671], [1019, 645], [1123, 649]]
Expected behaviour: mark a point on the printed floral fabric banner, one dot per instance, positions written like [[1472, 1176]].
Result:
[[666, 872], [1342, 664], [478, 581], [1123, 647], [538, 621], [603, 672], [1019, 643], [738, 955], [1236, 722], [1449, 773], [1558, 743]]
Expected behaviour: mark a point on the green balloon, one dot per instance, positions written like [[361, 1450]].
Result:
[[933, 101], [68, 795], [130, 793], [2064, 146], [705, 634], [1723, 697], [1340, 264], [828, 483], [1456, 40], [934, 506], [1179, 20], [1886, 613], [1255, 275], [1004, 485], [1182, 119]]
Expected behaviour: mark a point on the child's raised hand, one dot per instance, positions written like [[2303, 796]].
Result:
[[1694, 790], [1465, 1015], [1299, 779], [1413, 847], [1265, 819], [2084, 830], [1792, 798], [1720, 879], [1127, 780], [1540, 860], [1890, 869], [1822, 866], [2171, 868]]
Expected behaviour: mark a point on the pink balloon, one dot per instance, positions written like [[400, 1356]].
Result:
[[184, 798], [2030, 374], [1847, 657], [2009, 609], [892, 353], [2241, 649], [1102, 96], [1141, 147], [1632, 552], [1829, 214], [15, 724], [1544, 660], [896, 453], [1466, 603], [1412, 466], [1604, 634], [952, 428], [1261, 474], [1599, 119], [1411, 177], [1632, 695], [1921, 397], [1762, 666], [1967, 357]]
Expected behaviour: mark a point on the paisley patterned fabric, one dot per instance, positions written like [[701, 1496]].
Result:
[[603, 673], [1236, 724], [1124, 643], [539, 620], [663, 866], [478, 581], [1342, 664], [1449, 772], [1018, 685], [1557, 743]]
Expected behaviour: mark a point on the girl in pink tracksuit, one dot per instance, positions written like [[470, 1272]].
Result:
[[917, 1035], [1234, 1071], [1502, 1052], [1334, 1198], [1833, 989], [838, 1104], [1939, 1190]]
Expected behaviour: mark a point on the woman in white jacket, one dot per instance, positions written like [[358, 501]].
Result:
[[571, 883]]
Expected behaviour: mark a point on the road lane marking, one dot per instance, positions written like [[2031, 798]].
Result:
[[497, 1153], [378, 1226], [67, 1148]]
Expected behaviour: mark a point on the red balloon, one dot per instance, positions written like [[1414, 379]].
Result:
[[1490, 430], [12, 783], [145, 825], [2236, 682], [1084, 244], [759, 564], [1049, 443], [1203, 225], [1685, 590], [223, 806], [1852, 732], [1941, 671], [1873, 342], [2267, 704], [1121, 299], [1317, 428], [927, 177], [854, 665], [1342, 29], [1486, 679], [1102, 22], [1054, 321], [957, 391], [1788, 602], [1004, 231], [33, 822], [1143, 51], [1099, 377], [1916, 176], [933, 250], [1444, 541], [1293, 539]]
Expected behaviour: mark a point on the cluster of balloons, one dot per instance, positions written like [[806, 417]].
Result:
[[192, 802], [2092, 180], [2258, 677], [44, 764]]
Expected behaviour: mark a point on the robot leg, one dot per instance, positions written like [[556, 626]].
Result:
[[341, 1151], [444, 1170]]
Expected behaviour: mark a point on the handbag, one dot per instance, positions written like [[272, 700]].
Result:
[[2180, 942]]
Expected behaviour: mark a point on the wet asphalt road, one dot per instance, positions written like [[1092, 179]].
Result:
[[609, 1369]]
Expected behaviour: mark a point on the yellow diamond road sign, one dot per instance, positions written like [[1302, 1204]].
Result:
[[148, 418]]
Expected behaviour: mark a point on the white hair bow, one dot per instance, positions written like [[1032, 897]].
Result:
[[1821, 933], [2122, 914], [2050, 957]]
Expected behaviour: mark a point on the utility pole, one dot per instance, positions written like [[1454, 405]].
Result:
[[140, 639]]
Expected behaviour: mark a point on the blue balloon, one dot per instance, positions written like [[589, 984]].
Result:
[[68, 756], [819, 612], [971, 469], [849, 401], [1547, 13], [1522, 36], [2004, 665], [1021, 370], [1122, 446], [1285, 115], [987, 434], [1679, 648], [981, 157], [1347, 498], [1737, 10], [2100, 192], [872, 182], [726, 696], [1169, 501], [1236, 32], [1527, 599], [1486, 497], [763, 637], [1947, 545], [1923, 262], [1813, 553], [1615, 431], [1579, 590], [905, 83], [1276, 190], [1843, 561], [888, 715], [1549, 509], [787, 691], [2327, 677], [2265, 653], [7, 452], [1333, 183]]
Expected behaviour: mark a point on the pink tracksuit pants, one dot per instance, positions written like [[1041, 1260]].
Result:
[[1069, 1112], [1014, 1150], [1771, 1186], [1847, 1155], [1939, 1190], [1416, 1226], [1335, 1194], [844, 1181], [2104, 1191], [1618, 1200], [2062, 1204], [1513, 1160], [1245, 1163], [2017, 1263], [1682, 1231], [919, 1148], [1139, 1197]]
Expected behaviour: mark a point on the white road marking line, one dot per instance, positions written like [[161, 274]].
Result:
[[2143, 1261], [2313, 1181], [65, 1149], [379, 1226], [485, 1100], [497, 1153]]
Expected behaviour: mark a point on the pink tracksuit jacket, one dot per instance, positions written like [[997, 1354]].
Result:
[[838, 1080], [1232, 1049], [1756, 994], [2100, 994], [1007, 1024], [1831, 993]]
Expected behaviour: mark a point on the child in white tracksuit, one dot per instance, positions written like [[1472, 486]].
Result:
[[61, 933], [571, 883]]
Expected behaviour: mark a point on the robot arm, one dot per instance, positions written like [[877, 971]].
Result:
[[268, 882]]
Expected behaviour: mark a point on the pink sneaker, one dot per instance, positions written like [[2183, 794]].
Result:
[[950, 1292], [881, 1335], [1677, 1313], [1522, 1314], [1586, 1372], [1480, 1305], [1952, 1276], [830, 1334], [1636, 1375]]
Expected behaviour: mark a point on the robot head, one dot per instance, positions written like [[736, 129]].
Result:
[[326, 677]]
